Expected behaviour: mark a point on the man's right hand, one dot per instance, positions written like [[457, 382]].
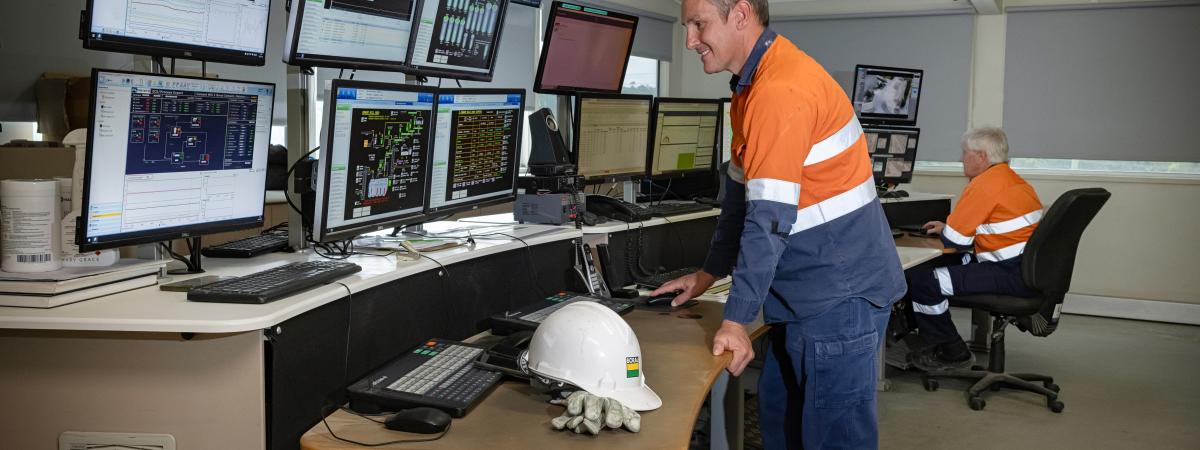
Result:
[[690, 285], [934, 227]]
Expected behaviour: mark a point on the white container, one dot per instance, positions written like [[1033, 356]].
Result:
[[29, 226], [65, 191]]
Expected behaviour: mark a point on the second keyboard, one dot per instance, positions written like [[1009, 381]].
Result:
[[272, 284]]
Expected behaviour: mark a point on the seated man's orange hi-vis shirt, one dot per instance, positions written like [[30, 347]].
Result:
[[997, 212], [800, 228]]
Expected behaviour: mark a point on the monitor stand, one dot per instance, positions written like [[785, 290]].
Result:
[[414, 228], [193, 259]]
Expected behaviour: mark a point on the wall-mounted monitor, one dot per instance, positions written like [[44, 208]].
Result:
[[228, 31], [457, 39], [585, 49], [350, 34], [887, 95], [171, 157]]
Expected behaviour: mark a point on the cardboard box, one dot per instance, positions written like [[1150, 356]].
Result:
[[36, 162]]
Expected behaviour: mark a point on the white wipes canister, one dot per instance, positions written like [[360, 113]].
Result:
[[29, 226]]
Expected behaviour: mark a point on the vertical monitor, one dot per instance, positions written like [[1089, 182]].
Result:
[[893, 152], [374, 165], [229, 31], [350, 34], [887, 95], [457, 38], [685, 138], [585, 49], [477, 148], [171, 157], [611, 135]]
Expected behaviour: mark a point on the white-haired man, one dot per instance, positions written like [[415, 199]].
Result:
[[996, 214]]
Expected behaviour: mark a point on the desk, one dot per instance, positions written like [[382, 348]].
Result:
[[251, 376], [678, 366]]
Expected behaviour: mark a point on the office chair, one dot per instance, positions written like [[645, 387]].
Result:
[[1046, 268]]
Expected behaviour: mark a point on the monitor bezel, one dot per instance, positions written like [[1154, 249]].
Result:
[[688, 173], [321, 232], [442, 72], [549, 35], [889, 120], [912, 132], [153, 48], [296, 23], [161, 234], [515, 165], [576, 118]]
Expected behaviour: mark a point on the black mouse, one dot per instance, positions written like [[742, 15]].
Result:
[[423, 420], [662, 299]]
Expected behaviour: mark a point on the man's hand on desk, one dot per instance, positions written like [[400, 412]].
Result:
[[934, 227], [589, 413], [733, 337], [691, 286]]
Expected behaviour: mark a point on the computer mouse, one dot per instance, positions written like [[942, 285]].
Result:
[[423, 420], [662, 299]]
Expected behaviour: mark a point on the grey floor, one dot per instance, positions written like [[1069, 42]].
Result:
[[1126, 385]]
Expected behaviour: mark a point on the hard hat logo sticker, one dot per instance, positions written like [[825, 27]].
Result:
[[631, 367]]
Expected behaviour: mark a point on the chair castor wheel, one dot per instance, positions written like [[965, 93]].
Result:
[[1055, 405], [976, 403], [1051, 386], [930, 385]]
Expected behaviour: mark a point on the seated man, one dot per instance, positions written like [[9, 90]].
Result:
[[996, 213]]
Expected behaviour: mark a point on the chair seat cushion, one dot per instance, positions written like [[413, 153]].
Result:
[[1000, 304]]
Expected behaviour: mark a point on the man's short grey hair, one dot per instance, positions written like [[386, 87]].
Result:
[[759, 7], [990, 140]]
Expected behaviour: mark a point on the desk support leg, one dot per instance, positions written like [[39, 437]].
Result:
[[735, 421]]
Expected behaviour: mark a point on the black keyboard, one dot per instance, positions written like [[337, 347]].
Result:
[[528, 317], [273, 284], [657, 280], [248, 247], [674, 209], [438, 373]]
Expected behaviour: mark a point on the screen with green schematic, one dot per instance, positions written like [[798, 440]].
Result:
[[685, 135]]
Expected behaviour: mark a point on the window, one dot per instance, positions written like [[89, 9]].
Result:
[[641, 76]]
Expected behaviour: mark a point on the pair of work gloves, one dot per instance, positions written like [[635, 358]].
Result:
[[587, 413]]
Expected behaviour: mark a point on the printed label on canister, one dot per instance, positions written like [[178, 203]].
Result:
[[29, 226]]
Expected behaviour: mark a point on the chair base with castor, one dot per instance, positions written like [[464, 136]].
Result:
[[994, 378]]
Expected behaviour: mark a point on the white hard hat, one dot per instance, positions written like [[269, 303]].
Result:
[[587, 345]]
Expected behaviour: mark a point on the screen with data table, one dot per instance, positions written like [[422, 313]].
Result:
[[374, 167], [349, 34], [171, 156], [231, 31], [477, 148], [611, 135]]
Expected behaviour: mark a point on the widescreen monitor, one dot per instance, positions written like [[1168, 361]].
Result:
[[350, 34], [686, 136], [374, 166], [476, 148], [887, 95], [893, 152], [457, 39], [585, 49], [611, 135], [229, 31], [171, 157]]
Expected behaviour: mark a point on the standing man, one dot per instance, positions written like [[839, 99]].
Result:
[[802, 223]]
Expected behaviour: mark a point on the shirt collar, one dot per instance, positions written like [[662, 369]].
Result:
[[739, 83]]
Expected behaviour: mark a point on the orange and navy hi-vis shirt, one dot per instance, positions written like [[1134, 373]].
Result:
[[800, 226], [997, 212]]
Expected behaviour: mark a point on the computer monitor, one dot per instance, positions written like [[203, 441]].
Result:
[[476, 150], [686, 136], [374, 166], [533, 3], [585, 49], [229, 31], [893, 152], [610, 136], [887, 95], [350, 34], [726, 130], [457, 39], [171, 157]]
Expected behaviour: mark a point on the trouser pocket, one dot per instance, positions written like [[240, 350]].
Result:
[[843, 370]]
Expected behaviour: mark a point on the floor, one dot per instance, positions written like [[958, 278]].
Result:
[[1126, 384]]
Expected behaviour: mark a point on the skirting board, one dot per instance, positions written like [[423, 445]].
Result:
[[1127, 308]]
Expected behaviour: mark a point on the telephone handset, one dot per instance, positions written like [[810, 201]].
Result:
[[506, 356], [613, 208]]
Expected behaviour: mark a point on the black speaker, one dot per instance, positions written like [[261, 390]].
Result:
[[548, 156]]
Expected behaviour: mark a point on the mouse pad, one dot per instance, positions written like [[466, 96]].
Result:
[[666, 307]]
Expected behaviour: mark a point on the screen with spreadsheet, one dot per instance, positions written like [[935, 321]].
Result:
[[173, 156], [374, 166], [231, 31], [457, 38], [611, 134], [685, 135], [477, 148], [349, 34]]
